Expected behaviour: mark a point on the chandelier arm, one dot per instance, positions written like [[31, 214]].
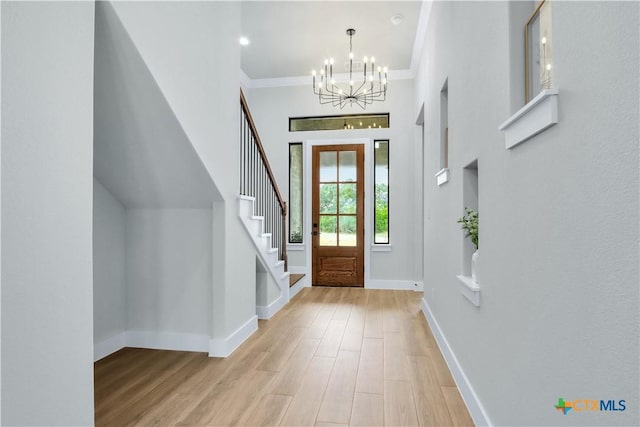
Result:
[[360, 93], [361, 105], [360, 87], [323, 102], [378, 92], [334, 88], [328, 96]]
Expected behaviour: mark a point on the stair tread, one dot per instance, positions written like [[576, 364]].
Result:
[[294, 278]]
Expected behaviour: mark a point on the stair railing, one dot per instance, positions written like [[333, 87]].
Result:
[[257, 180]]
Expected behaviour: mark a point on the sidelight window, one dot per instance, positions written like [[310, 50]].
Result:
[[381, 192], [295, 192]]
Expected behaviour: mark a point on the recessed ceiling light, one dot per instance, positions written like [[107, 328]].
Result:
[[397, 19], [244, 41]]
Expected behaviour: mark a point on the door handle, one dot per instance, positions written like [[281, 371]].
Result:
[[314, 233]]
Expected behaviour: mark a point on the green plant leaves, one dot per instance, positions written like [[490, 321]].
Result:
[[470, 225]]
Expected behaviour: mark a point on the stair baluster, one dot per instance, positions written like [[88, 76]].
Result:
[[257, 180]]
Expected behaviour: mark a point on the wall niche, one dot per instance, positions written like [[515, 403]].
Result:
[[469, 288]]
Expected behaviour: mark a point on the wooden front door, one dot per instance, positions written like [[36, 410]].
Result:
[[338, 215]]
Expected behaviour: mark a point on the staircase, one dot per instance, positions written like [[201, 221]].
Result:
[[262, 209], [255, 226]]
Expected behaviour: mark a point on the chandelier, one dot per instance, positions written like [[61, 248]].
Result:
[[363, 88]]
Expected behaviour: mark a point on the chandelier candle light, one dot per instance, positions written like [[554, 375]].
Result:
[[361, 92]]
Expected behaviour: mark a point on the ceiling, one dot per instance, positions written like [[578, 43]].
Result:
[[290, 38]]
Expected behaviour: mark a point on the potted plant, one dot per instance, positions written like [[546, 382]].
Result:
[[470, 225]]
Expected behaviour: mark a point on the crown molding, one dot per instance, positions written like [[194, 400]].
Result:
[[250, 83], [278, 82], [401, 74]]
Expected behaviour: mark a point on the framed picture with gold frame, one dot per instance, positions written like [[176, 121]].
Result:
[[538, 51]]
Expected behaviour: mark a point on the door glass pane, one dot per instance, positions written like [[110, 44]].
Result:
[[348, 236], [328, 166], [347, 166], [347, 198], [328, 198], [328, 230]]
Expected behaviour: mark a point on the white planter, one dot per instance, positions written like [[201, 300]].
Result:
[[474, 265]]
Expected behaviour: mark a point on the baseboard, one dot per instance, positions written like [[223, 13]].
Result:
[[267, 311], [223, 347], [109, 346], [396, 285], [475, 408], [301, 284], [168, 341], [151, 340]]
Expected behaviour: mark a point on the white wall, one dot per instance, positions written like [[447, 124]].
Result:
[[109, 278], [267, 290], [47, 104], [558, 214], [192, 51], [271, 109], [168, 267], [152, 276], [1, 220], [160, 91], [141, 152]]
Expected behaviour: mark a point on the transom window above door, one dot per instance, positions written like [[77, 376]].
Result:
[[342, 122]]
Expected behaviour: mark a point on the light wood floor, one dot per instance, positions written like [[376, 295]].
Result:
[[331, 357]]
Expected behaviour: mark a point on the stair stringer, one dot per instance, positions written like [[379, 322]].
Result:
[[268, 255]]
